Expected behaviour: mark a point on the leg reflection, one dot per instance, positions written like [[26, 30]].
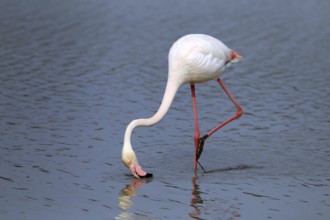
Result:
[[196, 200], [213, 205]]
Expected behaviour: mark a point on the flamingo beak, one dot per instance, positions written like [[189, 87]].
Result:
[[235, 55]]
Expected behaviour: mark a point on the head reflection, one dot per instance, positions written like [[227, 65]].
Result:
[[125, 198], [129, 191]]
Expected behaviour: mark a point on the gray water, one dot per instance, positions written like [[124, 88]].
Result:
[[74, 73]]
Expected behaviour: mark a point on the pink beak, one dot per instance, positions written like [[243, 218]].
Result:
[[235, 55]]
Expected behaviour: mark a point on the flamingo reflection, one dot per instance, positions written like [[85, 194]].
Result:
[[125, 198], [220, 207], [196, 200]]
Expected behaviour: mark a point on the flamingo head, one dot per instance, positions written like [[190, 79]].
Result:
[[235, 57], [130, 160]]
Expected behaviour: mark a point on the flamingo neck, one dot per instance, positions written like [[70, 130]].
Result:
[[170, 91]]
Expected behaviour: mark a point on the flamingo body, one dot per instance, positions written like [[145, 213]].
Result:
[[193, 58], [197, 58]]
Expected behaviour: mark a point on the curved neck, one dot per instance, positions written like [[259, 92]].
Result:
[[170, 91]]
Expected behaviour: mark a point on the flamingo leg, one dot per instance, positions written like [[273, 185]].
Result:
[[197, 132], [238, 114], [199, 141]]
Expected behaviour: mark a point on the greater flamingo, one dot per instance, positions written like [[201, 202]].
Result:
[[194, 58]]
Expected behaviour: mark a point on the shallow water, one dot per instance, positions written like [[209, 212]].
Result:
[[73, 74]]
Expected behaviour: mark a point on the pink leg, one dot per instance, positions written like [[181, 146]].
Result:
[[197, 133], [199, 141], [238, 114]]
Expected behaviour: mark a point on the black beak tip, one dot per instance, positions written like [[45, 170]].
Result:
[[148, 175]]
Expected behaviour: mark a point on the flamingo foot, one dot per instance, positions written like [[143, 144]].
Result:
[[200, 146], [138, 172]]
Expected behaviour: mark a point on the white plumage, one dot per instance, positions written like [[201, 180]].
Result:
[[197, 58]]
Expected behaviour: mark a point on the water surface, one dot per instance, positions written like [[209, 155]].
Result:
[[73, 74]]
